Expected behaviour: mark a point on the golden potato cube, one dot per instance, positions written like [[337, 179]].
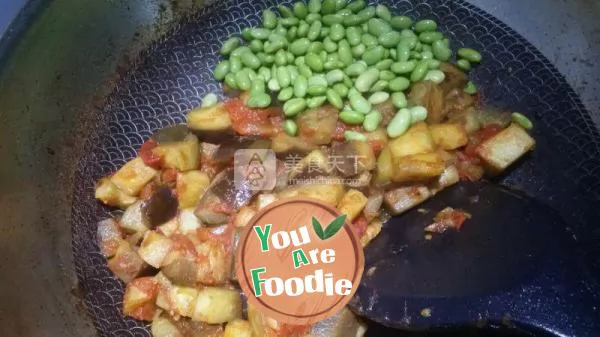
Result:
[[133, 176], [217, 305], [154, 248], [238, 328], [384, 167], [352, 204], [315, 163], [163, 327], [190, 187], [111, 195], [448, 178], [330, 194], [139, 297], [402, 199], [416, 140], [264, 200], [214, 118], [182, 156], [449, 136], [417, 167], [244, 215], [505, 148]]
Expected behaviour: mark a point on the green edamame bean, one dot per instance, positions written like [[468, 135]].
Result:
[[390, 39], [463, 64], [404, 67], [337, 32], [399, 100], [314, 6], [274, 46], [353, 36], [372, 120], [358, 50], [313, 17], [341, 90], [401, 22], [290, 127], [242, 78], [419, 72], [318, 79], [251, 75], [230, 81], [365, 81], [357, 6], [304, 70], [250, 60], [246, 34], [229, 45], [415, 55], [314, 31], [383, 13], [436, 76], [384, 64], [293, 70], [430, 37], [386, 75], [279, 30], [303, 29], [340, 5], [469, 54], [300, 47], [380, 85], [426, 55], [273, 85], [379, 97], [393, 54], [345, 52], [294, 106], [300, 86], [259, 100], [440, 51], [285, 11], [352, 117], [280, 58], [290, 57], [285, 94], [315, 102], [433, 64], [399, 124], [258, 84], [260, 33], [356, 69], [266, 59], [265, 73], [329, 45], [358, 102], [300, 10], [328, 7], [256, 46], [334, 98], [324, 32], [522, 120], [369, 40], [402, 52], [335, 76], [332, 65], [221, 70], [354, 136], [316, 47], [209, 100], [418, 47], [348, 82], [289, 22], [316, 90], [425, 26], [331, 19], [378, 27], [399, 84], [417, 114], [269, 19], [283, 77], [237, 52], [366, 14], [373, 55], [470, 88], [323, 55], [352, 20]]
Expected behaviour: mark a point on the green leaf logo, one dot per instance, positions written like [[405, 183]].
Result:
[[331, 229]]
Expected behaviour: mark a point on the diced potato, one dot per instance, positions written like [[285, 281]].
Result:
[[330, 194], [133, 176], [126, 264], [111, 195], [264, 200], [214, 263], [138, 301], [109, 237], [133, 220], [283, 143], [318, 125], [416, 140], [190, 187], [188, 221], [182, 156], [238, 328], [384, 167], [215, 118], [373, 206], [217, 305], [377, 139], [244, 215], [449, 136], [182, 300], [315, 163], [402, 199], [352, 158], [163, 327], [417, 167], [352, 204], [154, 248], [373, 229], [447, 179], [170, 227], [505, 148]]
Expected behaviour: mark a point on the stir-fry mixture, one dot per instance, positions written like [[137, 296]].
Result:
[[364, 112]]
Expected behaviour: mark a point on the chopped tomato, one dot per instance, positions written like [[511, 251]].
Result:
[[360, 225], [148, 156], [446, 219], [277, 122], [342, 127], [250, 122], [377, 145]]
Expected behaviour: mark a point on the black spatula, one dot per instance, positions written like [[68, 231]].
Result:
[[513, 261]]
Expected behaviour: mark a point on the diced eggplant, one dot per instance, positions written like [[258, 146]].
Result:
[[377, 139], [455, 78], [238, 328], [468, 119], [447, 179], [138, 301], [387, 110], [111, 195], [457, 102], [284, 145], [126, 264], [154, 248], [402, 199], [182, 155], [133, 176], [217, 305], [109, 237], [351, 158], [431, 96], [343, 324], [160, 208], [361, 181], [503, 149], [373, 229], [169, 134], [315, 164], [211, 124], [223, 197], [318, 125], [352, 204], [181, 272], [373, 206], [133, 220], [243, 216], [164, 326], [449, 136]]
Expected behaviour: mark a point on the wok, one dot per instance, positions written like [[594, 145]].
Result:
[[82, 84]]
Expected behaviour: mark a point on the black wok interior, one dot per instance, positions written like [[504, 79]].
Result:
[[171, 76]]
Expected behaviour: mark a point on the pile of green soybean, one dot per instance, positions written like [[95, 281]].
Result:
[[351, 55]]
